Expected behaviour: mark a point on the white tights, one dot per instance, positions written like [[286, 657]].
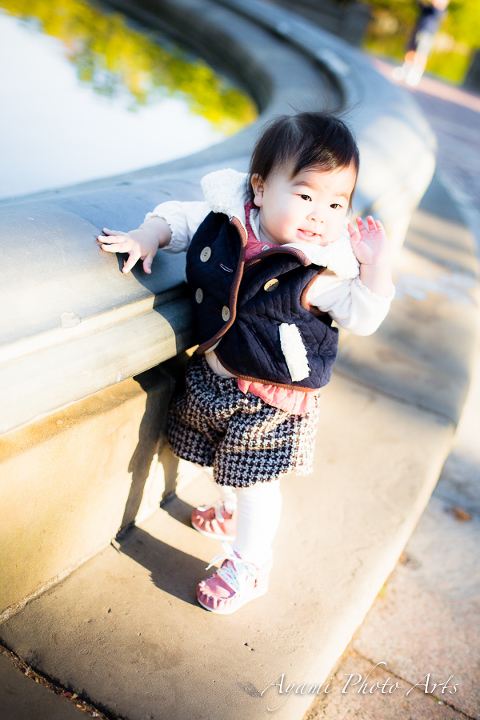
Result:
[[258, 514]]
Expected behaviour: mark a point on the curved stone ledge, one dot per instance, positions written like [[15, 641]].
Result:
[[72, 323]]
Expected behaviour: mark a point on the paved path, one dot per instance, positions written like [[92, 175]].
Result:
[[424, 627], [454, 115]]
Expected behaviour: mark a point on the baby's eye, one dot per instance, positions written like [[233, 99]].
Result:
[[335, 206], [306, 197]]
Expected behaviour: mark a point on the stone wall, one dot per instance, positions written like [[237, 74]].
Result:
[[348, 19]]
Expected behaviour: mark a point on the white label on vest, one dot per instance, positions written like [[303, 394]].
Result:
[[294, 351]]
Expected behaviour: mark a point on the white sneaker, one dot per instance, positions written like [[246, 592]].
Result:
[[413, 77], [398, 73]]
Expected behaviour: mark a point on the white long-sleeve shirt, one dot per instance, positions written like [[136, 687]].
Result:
[[338, 290]]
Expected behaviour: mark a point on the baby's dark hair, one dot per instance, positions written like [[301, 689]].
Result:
[[308, 140]]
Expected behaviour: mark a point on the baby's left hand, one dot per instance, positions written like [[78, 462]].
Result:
[[369, 242]]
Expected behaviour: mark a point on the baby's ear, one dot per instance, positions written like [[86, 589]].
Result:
[[257, 185]]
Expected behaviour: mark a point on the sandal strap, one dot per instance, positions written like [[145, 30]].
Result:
[[218, 507], [235, 569]]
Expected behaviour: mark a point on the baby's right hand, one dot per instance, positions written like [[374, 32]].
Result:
[[139, 244]]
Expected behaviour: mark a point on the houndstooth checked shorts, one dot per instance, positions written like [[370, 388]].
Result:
[[245, 440]]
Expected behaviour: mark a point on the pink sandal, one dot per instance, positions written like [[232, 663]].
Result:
[[214, 521], [234, 584]]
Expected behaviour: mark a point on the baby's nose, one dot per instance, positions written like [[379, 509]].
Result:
[[316, 215]]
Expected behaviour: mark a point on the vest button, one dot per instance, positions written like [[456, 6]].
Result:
[[199, 295], [205, 254], [271, 285], [225, 313]]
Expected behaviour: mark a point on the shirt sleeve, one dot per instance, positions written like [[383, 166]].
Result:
[[349, 302], [183, 219]]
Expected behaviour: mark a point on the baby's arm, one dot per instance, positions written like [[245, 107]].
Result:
[[349, 302], [170, 226], [370, 245], [358, 304], [139, 244]]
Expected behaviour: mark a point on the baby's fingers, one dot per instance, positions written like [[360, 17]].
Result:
[[131, 261], [372, 225], [147, 263], [361, 225], [119, 233], [354, 234], [113, 247], [105, 238], [114, 241]]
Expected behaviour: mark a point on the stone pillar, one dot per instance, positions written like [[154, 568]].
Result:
[[472, 78], [355, 21]]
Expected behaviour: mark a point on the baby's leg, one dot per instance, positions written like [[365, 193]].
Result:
[[244, 574], [250, 515], [228, 497], [258, 515]]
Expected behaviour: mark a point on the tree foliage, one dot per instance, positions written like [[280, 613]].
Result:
[[113, 57], [463, 22]]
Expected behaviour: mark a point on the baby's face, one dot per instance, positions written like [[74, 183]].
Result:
[[310, 207]]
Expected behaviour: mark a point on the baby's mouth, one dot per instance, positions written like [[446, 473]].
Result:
[[308, 233]]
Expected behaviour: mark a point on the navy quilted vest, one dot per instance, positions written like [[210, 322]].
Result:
[[248, 305]]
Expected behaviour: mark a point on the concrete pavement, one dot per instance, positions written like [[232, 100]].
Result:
[[424, 626]]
